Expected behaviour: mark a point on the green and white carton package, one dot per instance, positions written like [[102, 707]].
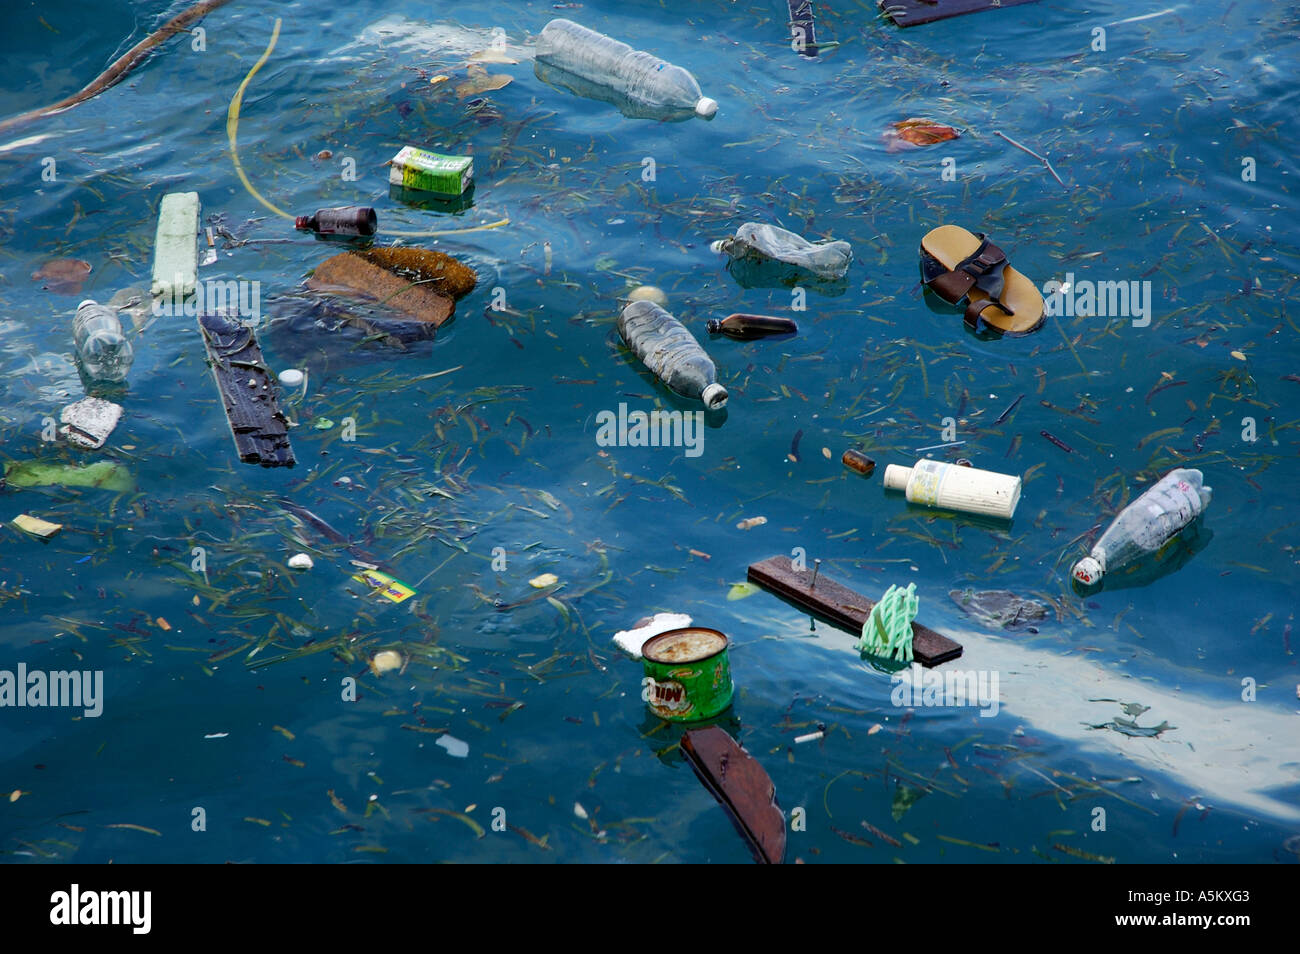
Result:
[[427, 171]]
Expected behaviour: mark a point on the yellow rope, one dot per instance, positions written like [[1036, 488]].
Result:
[[232, 123], [474, 228], [232, 131]]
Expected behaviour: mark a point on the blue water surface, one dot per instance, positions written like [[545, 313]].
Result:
[[221, 740]]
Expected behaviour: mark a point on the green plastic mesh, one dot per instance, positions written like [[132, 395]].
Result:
[[888, 630]]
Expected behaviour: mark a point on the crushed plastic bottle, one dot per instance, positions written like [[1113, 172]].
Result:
[[828, 260], [603, 61], [1146, 525], [105, 352], [671, 352]]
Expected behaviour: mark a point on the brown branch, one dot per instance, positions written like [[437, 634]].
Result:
[[121, 66]]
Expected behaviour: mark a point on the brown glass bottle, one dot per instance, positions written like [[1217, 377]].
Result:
[[856, 460], [749, 327], [351, 220]]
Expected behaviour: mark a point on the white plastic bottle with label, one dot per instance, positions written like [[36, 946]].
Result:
[[1146, 525], [954, 487]]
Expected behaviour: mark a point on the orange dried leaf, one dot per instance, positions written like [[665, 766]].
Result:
[[918, 132]]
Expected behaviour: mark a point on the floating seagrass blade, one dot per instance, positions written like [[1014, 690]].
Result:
[[737, 781], [258, 426], [908, 13], [843, 607]]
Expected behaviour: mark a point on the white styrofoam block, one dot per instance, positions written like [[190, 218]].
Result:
[[176, 249], [631, 640], [88, 422]]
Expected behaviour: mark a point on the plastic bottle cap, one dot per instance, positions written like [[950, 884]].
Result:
[[291, 377], [897, 476], [88, 301], [706, 107], [1088, 571], [718, 246], [714, 397], [713, 326], [301, 222]]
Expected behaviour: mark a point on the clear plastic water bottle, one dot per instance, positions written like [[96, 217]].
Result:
[[105, 352], [828, 260], [1146, 525], [671, 352], [604, 61]]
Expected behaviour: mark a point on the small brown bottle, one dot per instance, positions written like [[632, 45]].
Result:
[[856, 460], [749, 327], [350, 220]]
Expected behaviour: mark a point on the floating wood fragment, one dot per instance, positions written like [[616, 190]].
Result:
[[842, 607], [257, 424], [908, 13], [743, 788]]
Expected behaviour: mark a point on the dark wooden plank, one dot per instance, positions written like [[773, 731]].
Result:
[[258, 426], [907, 13], [843, 607], [743, 788], [801, 20]]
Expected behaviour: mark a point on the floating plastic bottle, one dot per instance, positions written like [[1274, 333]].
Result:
[[671, 352], [1146, 525], [828, 260], [105, 352], [939, 484], [642, 78], [749, 327], [856, 460], [351, 220]]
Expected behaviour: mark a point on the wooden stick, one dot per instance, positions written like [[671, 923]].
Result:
[[121, 66], [1042, 159]]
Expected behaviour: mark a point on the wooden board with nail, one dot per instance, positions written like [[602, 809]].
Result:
[[841, 606]]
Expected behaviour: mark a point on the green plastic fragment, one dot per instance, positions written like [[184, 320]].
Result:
[[888, 630], [108, 475]]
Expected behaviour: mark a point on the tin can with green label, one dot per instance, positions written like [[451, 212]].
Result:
[[687, 674]]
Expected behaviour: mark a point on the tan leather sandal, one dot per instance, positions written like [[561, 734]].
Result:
[[958, 265]]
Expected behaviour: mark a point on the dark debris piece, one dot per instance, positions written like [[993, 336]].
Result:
[[258, 425], [999, 609], [908, 13]]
